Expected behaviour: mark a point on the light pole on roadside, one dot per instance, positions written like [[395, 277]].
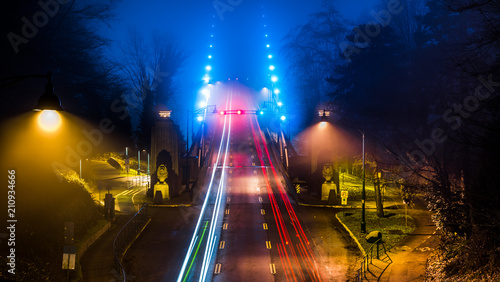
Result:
[[139, 161], [363, 192]]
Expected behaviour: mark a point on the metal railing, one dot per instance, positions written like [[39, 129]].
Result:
[[127, 235], [368, 259]]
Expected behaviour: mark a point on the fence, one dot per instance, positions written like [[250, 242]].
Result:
[[368, 259], [127, 235]]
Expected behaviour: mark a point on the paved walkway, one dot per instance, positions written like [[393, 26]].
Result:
[[410, 257], [98, 262]]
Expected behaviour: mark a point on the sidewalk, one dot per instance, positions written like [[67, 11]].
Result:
[[98, 262], [410, 258]]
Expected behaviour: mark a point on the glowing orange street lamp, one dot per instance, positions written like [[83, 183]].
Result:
[[324, 114], [49, 104]]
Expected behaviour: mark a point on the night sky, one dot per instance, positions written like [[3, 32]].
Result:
[[239, 42]]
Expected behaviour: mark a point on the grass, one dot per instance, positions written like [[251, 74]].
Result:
[[392, 221]]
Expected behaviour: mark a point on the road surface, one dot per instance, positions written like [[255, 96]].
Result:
[[244, 226]]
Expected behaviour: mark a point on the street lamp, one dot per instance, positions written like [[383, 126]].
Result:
[[48, 100], [48, 103], [324, 114]]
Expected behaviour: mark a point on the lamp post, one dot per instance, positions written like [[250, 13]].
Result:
[[148, 165], [201, 115], [139, 161], [363, 192]]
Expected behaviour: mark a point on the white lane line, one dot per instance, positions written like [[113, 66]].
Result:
[[212, 239], [193, 239]]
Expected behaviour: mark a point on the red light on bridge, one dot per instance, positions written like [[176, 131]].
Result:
[[239, 112], [222, 112]]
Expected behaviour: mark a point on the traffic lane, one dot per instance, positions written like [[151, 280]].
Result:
[[200, 257], [157, 254], [243, 254], [296, 255]]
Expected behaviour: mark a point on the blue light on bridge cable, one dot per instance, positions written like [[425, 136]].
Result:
[[271, 67], [283, 118], [270, 56], [274, 78], [208, 68]]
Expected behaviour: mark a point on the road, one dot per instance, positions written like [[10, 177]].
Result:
[[124, 189], [244, 226]]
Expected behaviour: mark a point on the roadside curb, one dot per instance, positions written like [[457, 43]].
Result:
[[172, 206], [329, 206], [352, 236], [92, 239]]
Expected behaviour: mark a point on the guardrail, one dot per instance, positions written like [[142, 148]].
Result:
[[280, 165], [368, 259], [127, 235]]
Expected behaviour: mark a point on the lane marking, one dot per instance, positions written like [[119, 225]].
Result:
[[224, 226], [264, 225], [227, 211], [260, 199], [228, 199], [273, 268], [222, 244], [253, 164], [262, 211], [268, 244], [217, 268]]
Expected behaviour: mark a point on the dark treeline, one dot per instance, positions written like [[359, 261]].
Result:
[[420, 78], [61, 37], [93, 84]]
